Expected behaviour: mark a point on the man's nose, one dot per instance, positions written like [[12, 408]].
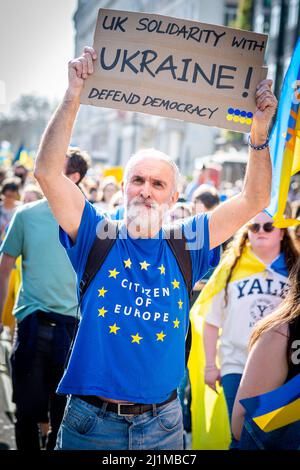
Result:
[[146, 190]]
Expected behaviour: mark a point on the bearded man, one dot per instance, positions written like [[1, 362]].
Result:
[[129, 355]]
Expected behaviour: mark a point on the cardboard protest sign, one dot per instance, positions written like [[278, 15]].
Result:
[[175, 68]]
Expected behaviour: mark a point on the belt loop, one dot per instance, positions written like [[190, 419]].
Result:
[[103, 408], [154, 410]]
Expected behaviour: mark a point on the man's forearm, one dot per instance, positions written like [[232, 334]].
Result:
[[257, 185], [55, 141]]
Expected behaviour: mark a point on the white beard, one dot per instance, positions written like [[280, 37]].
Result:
[[143, 220]]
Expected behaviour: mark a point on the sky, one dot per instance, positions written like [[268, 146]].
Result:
[[36, 43]]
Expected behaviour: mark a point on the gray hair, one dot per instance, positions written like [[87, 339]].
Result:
[[154, 154]]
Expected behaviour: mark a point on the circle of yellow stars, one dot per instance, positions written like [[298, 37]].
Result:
[[113, 329]]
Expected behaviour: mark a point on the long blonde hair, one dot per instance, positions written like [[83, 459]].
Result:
[[287, 311]]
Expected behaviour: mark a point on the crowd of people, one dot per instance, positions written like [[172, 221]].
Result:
[[109, 375]]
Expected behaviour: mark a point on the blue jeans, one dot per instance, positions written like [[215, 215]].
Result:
[[87, 427], [184, 394], [230, 384], [285, 438]]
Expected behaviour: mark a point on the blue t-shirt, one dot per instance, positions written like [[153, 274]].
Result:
[[131, 338]]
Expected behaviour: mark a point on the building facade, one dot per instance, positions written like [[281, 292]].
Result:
[[111, 136], [280, 19]]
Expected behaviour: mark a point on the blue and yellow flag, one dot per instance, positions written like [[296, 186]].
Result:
[[285, 142], [210, 423], [24, 157], [277, 408]]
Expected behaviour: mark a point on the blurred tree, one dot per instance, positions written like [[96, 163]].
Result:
[[31, 107], [245, 15], [26, 121]]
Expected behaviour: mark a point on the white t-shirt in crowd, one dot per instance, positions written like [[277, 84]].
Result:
[[249, 300]]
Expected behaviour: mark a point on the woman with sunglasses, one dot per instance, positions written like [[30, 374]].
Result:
[[273, 360], [249, 284]]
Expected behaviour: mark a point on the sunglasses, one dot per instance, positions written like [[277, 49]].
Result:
[[267, 227]]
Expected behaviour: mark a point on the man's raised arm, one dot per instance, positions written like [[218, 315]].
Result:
[[65, 198], [228, 217]]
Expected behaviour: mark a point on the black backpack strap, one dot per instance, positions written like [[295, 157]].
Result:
[[106, 236], [177, 242], [107, 233]]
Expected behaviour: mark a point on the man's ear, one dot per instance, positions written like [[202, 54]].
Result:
[[75, 177], [174, 198]]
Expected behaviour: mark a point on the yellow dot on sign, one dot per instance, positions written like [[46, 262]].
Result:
[[136, 338], [113, 273], [176, 284], [102, 292], [229, 117], [236, 118], [180, 304], [102, 312], [144, 265], [162, 269], [242, 120], [248, 121], [114, 328], [176, 323], [160, 336], [127, 263]]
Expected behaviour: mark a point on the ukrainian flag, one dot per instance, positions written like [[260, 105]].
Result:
[[18, 154], [24, 157], [277, 408], [285, 142]]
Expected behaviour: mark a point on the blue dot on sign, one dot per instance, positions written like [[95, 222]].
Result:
[[243, 113], [230, 110], [249, 115], [237, 112]]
